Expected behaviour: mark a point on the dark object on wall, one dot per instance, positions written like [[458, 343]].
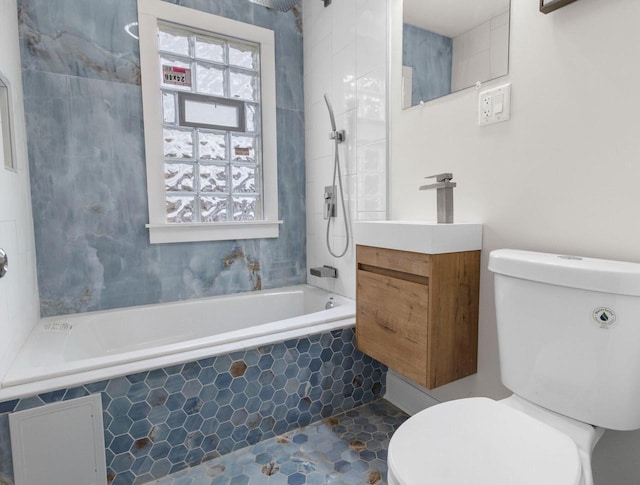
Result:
[[547, 6]]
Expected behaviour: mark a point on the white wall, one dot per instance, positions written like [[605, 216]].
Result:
[[561, 176], [18, 290], [345, 55]]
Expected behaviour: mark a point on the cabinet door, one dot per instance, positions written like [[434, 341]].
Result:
[[392, 322]]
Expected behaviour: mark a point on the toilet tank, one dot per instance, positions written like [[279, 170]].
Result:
[[569, 334]]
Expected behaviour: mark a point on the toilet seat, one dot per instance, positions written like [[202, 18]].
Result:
[[482, 442]]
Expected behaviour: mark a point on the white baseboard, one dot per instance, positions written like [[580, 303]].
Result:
[[407, 395]]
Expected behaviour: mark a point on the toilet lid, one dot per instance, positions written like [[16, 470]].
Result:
[[482, 442]]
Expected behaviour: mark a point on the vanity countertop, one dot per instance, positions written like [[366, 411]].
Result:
[[419, 236]]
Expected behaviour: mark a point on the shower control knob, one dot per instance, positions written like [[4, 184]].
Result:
[[4, 263]]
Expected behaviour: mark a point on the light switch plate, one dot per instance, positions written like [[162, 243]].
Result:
[[494, 105]]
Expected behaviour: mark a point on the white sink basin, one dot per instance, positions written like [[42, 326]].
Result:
[[419, 236]]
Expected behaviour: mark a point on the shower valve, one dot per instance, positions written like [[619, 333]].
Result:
[[330, 201]]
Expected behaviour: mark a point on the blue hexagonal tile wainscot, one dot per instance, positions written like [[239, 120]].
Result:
[[166, 420]]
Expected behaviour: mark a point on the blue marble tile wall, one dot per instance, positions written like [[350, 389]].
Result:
[[430, 55], [83, 108], [161, 421]]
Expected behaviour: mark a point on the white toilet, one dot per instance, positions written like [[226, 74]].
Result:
[[569, 339]]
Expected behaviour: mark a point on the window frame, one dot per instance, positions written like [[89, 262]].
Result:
[[150, 14], [7, 141]]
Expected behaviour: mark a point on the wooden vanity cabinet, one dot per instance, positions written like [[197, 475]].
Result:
[[418, 313]]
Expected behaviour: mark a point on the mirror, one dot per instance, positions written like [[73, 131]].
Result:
[[448, 46]]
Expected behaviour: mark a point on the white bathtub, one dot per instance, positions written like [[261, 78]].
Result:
[[76, 349]]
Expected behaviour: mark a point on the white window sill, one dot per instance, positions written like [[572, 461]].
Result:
[[218, 231]]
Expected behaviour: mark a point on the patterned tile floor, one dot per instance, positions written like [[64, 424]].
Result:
[[348, 449]]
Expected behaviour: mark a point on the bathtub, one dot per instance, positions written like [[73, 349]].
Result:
[[71, 350]]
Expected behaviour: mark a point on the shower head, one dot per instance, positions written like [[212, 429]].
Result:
[[330, 108], [281, 5]]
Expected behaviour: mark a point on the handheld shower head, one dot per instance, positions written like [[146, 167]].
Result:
[[330, 108], [337, 137]]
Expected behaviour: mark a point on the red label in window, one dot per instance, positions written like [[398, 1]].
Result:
[[178, 76]]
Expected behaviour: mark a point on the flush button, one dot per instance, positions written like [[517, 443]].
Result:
[[4, 263]]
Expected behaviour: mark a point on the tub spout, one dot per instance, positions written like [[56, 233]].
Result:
[[324, 272]]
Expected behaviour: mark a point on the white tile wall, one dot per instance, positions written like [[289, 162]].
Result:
[[318, 79], [19, 308], [372, 103], [343, 31], [345, 55], [348, 149], [372, 180], [371, 38], [343, 87]]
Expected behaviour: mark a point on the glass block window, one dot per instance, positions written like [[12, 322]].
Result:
[[210, 125], [211, 175]]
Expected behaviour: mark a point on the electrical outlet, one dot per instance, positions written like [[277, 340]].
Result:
[[485, 107], [494, 105]]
